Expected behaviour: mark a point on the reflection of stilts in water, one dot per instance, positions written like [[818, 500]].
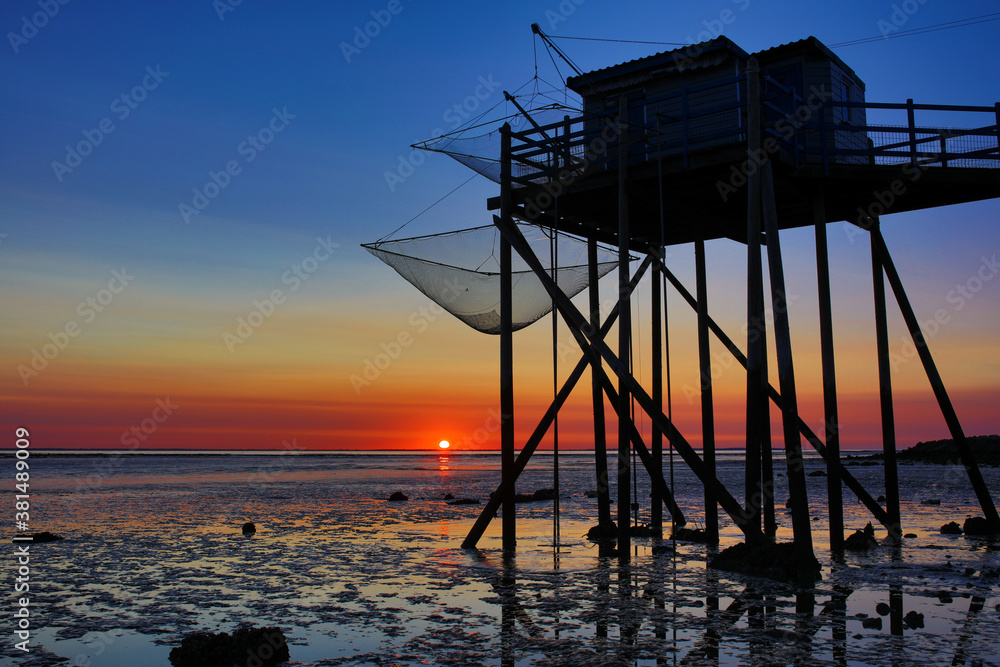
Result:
[[713, 634], [896, 609], [755, 621], [708, 647], [629, 621], [967, 633], [837, 609], [659, 600], [603, 587], [511, 612], [896, 624]]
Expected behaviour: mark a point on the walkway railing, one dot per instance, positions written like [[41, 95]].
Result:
[[803, 130]]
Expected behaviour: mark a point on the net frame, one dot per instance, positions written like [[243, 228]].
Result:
[[460, 277]]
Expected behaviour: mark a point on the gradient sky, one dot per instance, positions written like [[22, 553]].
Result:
[[100, 247]]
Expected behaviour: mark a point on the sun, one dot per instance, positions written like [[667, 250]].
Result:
[[444, 444]]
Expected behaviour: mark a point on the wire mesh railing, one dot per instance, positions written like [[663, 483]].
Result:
[[827, 134]]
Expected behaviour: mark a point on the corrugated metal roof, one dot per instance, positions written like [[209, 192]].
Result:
[[692, 52], [803, 45], [721, 43]]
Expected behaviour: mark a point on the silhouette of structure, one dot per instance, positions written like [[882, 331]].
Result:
[[709, 142]]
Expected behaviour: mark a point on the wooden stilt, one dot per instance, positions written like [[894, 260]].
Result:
[[852, 483], [658, 484], [801, 528], [624, 336], [757, 405], [496, 499], [656, 507], [889, 466], [834, 486], [944, 402], [506, 352], [707, 413], [600, 437], [596, 348]]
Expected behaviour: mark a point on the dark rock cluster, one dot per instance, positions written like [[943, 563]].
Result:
[[39, 538], [690, 535], [771, 560], [257, 646], [861, 540]]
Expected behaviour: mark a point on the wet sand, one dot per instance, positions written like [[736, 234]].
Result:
[[155, 551]]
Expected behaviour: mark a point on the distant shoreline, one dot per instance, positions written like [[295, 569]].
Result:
[[985, 449], [106, 453]]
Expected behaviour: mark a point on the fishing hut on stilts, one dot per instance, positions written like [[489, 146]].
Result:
[[682, 147]]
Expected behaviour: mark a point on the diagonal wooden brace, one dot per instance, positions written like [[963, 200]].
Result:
[[597, 349], [937, 384], [493, 504], [850, 480]]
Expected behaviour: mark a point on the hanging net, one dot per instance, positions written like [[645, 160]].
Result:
[[460, 271], [478, 146]]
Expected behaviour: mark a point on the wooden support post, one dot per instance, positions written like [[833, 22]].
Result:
[[834, 487], [506, 350], [996, 115], [495, 501], [852, 483], [890, 469], [707, 412], [912, 126], [600, 437], [757, 406], [656, 508], [657, 483], [624, 334], [937, 384], [597, 348], [767, 451], [801, 528]]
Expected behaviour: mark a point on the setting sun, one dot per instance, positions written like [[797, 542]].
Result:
[[444, 444]]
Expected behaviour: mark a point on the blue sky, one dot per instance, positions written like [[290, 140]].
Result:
[[202, 79]]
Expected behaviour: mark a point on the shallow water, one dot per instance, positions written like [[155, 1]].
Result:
[[153, 550]]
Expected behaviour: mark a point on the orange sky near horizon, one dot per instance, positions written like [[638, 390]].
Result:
[[126, 321]]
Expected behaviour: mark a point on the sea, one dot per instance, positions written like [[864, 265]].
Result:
[[153, 550]]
